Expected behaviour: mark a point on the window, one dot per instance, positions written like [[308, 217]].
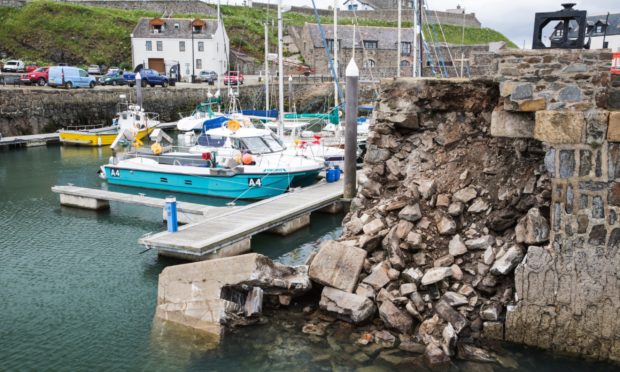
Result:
[[371, 44], [369, 63], [181, 46], [196, 29], [176, 26], [198, 63], [201, 46], [149, 45], [330, 44], [405, 48], [599, 29], [352, 6], [404, 63], [83, 73], [157, 29], [160, 46]]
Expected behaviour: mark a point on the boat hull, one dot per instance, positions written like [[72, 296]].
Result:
[[242, 186], [86, 138]]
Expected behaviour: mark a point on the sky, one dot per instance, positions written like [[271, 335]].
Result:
[[513, 18]]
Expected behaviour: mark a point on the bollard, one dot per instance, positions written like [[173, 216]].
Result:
[[171, 214]]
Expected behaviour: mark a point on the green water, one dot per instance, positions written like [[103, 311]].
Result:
[[76, 294]]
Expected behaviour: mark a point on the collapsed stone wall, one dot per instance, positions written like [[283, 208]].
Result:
[[437, 207]]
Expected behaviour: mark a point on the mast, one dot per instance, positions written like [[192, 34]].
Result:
[[280, 74], [335, 47], [415, 40], [266, 68], [420, 37], [219, 25], [398, 47]]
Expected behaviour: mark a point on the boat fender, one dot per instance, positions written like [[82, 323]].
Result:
[[156, 148], [206, 156], [247, 159], [234, 125]]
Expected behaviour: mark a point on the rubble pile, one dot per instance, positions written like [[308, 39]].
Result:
[[444, 213]]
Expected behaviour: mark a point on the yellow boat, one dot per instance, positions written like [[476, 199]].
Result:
[[97, 137], [132, 120]]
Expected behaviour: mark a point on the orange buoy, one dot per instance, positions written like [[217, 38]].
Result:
[[247, 159]]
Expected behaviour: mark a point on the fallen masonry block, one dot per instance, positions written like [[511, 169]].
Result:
[[208, 295]]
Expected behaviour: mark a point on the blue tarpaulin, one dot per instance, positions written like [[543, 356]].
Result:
[[261, 113], [214, 123]]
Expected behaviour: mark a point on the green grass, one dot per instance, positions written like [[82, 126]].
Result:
[[49, 32]]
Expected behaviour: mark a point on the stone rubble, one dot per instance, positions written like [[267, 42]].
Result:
[[450, 221]]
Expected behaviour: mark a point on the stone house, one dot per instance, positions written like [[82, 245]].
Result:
[[597, 28], [195, 44], [376, 52]]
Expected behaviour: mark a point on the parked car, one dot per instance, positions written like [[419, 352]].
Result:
[[113, 78], [208, 76], [94, 70], [39, 76], [114, 69], [31, 67], [148, 76], [69, 77], [14, 65], [233, 77]]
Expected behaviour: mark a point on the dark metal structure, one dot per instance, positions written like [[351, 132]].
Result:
[[569, 33]]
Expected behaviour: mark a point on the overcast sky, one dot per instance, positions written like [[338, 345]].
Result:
[[513, 18]]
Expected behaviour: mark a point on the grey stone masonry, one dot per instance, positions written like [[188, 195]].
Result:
[[568, 294]]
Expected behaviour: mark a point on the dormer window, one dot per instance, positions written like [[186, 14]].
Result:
[[176, 26], [158, 25], [197, 26]]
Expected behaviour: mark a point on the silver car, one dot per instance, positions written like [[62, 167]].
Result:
[[94, 70]]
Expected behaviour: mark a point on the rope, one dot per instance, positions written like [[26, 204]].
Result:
[[428, 27], [446, 43]]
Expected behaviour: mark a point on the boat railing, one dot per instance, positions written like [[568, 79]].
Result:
[[83, 127]]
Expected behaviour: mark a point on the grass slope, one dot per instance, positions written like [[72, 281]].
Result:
[[44, 32]]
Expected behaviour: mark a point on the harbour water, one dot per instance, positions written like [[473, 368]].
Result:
[[76, 293]]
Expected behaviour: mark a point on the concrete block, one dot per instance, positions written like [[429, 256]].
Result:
[[292, 225], [334, 208], [558, 127], [512, 124], [83, 202], [613, 129], [337, 265]]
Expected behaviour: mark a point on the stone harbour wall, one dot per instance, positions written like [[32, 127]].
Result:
[[567, 292]]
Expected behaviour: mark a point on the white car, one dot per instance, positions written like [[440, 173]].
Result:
[[14, 65], [94, 70]]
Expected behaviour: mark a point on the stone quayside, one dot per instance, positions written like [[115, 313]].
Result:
[[487, 210]]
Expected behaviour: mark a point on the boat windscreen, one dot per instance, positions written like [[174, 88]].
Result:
[[273, 142], [256, 145]]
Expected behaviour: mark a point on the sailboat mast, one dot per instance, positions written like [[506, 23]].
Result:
[[335, 47], [280, 74], [415, 40], [266, 68], [219, 27], [420, 37], [398, 42]]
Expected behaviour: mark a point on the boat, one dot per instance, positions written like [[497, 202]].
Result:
[[203, 112], [131, 118], [231, 161]]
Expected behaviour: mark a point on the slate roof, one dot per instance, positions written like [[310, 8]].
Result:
[[144, 30], [614, 23], [386, 36]]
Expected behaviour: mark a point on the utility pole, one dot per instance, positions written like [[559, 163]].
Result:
[[398, 47], [350, 137], [420, 37]]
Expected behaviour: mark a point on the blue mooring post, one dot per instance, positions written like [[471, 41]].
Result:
[[171, 214]]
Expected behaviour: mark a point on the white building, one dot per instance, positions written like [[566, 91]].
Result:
[[597, 28], [160, 43]]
